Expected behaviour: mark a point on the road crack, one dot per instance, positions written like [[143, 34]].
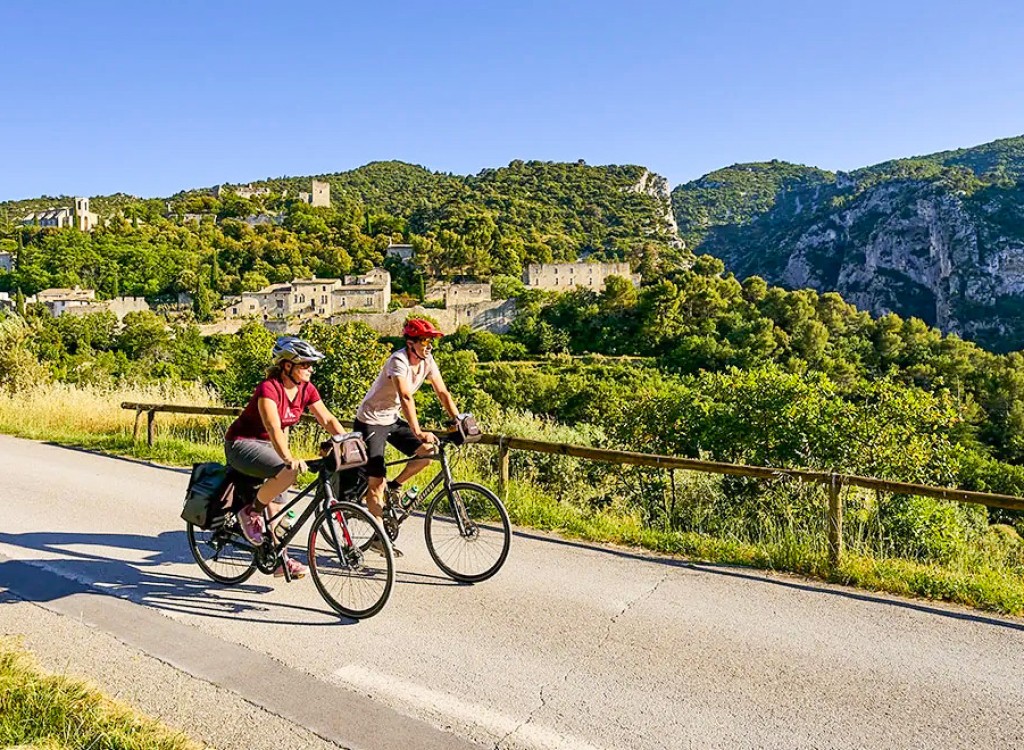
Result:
[[546, 688]]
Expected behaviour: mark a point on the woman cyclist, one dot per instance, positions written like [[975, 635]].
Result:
[[256, 443]]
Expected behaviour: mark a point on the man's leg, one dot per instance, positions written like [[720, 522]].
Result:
[[375, 496], [376, 437], [415, 467]]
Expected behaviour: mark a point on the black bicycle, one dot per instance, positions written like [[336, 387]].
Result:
[[352, 580], [466, 526]]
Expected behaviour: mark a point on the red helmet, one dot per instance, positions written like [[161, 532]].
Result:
[[418, 328]]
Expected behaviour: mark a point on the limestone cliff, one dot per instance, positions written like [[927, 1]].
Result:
[[929, 237]]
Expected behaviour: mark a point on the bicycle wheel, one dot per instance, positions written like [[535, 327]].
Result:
[[221, 554], [477, 549], [355, 583]]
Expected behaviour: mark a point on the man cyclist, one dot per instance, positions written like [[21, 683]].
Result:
[[256, 443], [391, 394]]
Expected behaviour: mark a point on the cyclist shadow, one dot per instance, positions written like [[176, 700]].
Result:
[[91, 563]]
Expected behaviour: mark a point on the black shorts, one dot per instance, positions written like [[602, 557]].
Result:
[[399, 434]]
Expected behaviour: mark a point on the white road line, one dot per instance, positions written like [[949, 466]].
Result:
[[443, 709]]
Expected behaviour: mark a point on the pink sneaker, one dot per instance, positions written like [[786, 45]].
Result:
[[295, 569], [251, 523]]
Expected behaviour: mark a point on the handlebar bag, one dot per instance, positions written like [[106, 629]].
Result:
[[345, 451], [469, 429]]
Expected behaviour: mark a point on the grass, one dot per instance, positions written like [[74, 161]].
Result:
[[91, 418], [54, 712]]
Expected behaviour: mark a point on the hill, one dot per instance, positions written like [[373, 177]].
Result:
[[939, 237]]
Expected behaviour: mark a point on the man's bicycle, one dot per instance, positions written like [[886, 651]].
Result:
[[465, 525], [352, 581]]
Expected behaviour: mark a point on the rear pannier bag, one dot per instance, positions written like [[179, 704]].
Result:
[[205, 493], [345, 451]]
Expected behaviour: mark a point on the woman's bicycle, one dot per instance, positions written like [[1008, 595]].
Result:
[[465, 525], [352, 582]]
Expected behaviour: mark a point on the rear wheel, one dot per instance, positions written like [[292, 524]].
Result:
[[354, 580], [221, 553], [467, 532]]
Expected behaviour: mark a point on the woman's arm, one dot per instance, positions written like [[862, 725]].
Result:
[[324, 418]]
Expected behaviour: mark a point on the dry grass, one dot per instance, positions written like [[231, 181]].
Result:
[[53, 409]]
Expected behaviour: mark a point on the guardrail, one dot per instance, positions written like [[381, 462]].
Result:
[[833, 481]]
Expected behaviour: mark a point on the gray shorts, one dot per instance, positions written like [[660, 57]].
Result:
[[254, 458]]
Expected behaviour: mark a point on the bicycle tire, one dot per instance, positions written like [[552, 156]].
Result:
[[245, 563], [486, 514], [341, 567]]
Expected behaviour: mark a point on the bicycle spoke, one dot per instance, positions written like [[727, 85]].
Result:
[[353, 582], [468, 532], [222, 555]]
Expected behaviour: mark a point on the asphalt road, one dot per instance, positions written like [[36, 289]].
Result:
[[570, 646]]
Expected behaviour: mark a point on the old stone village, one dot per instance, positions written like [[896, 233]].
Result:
[[367, 297]]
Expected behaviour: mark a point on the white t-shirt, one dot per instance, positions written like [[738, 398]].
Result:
[[382, 404]]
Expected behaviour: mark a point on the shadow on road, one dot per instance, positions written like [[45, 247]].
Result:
[[85, 567], [770, 579]]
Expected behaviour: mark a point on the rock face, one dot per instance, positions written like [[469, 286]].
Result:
[[932, 241], [657, 187]]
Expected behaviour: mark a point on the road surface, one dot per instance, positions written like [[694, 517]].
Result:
[[569, 646]]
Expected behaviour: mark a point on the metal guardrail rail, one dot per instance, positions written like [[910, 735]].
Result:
[[833, 481]]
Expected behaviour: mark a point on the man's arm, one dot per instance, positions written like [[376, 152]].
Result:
[[447, 402], [405, 398]]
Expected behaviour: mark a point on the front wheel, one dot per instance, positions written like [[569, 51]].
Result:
[[351, 577], [222, 554], [467, 532]]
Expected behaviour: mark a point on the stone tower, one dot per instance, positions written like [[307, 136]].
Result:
[[321, 194]]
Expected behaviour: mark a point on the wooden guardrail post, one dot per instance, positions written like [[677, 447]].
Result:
[[150, 426], [135, 427], [503, 469], [835, 521]]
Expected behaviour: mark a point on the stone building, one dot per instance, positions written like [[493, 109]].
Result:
[[59, 301], [6, 262], [120, 306], [84, 218], [460, 295], [242, 191], [319, 195], [371, 292], [62, 218], [319, 298], [402, 252], [565, 276]]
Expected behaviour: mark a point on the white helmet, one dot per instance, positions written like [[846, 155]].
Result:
[[294, 349]]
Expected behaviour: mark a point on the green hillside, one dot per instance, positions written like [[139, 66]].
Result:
[[938, 237]]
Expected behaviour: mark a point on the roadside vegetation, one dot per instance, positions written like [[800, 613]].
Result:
[[55, 712], [693, 363]]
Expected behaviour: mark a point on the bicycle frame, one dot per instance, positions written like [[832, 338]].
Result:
[[323, 497], [442, 481]]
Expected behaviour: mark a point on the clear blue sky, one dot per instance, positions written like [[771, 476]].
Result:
[[150, 98]]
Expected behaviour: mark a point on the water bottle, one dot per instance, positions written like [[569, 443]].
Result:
[[284, 525], [410, 496]]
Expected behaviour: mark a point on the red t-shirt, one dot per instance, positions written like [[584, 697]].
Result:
[[249, 425]]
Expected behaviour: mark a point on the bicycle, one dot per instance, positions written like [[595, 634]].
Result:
[[352, 583], [465, 526]]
